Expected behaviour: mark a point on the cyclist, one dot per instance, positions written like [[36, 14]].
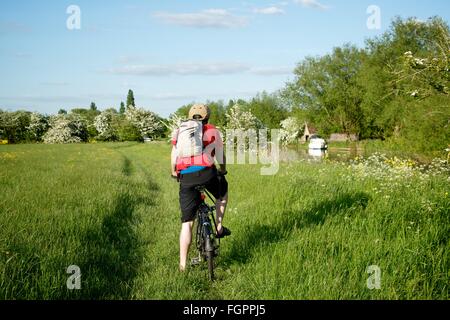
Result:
[[195, 146]]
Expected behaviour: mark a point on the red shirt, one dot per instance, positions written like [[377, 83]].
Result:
[[211, 141]]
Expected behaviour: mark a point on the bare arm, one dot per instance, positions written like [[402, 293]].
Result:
[[219, 153], [173, 161], [223, 166]]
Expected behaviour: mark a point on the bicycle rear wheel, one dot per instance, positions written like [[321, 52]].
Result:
[[209, 251], [210, 258]]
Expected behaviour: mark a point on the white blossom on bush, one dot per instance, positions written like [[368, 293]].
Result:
[[172, 124], [103, 124], [7, 121], [290, 130], [245, 125], [237, 118], [38, 125], [147, 122], [66, 129]]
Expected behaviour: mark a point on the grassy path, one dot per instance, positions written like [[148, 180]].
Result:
[[310, 232]]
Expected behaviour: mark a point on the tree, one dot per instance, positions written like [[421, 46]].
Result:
[[66, 129], [426, 73], [328, 88], [122, 108], [88, 115], [218, 111], [408, 61], [290, 130], [14, 126], [39, 124], [147, 122], [183, 111], [111, 110], [130, 99], [93, 107], [62, 111], [126, 131], [268, 108], [238, 118], [104, 125]]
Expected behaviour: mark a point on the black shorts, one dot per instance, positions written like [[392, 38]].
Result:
[[190, 197]]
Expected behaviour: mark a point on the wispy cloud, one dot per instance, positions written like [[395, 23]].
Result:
[[173, 96], [55, 83], [130, 59], [201, 69], [269, 10], [312, 4], [22, 55], [13, 27], [184, 69], [211, 18], [272, 71]]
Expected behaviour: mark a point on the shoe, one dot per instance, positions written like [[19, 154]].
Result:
[[225, 233]]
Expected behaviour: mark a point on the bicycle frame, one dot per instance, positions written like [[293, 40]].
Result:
[[202, 195]]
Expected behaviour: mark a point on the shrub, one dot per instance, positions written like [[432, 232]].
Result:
[[237, 118], [104, 125], [147, 122], [66, 129], [39, 124], [290, 130]]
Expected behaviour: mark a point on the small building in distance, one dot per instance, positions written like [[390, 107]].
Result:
[[343, 137], [308, 132]]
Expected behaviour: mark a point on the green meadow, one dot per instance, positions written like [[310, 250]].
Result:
[[309, 232]]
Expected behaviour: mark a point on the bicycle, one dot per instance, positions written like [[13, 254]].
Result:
[[206, 229], [206, 239]]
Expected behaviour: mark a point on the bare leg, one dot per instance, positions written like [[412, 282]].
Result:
[[221, 205], [185, 243]]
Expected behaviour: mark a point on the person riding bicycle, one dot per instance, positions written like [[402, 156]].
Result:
[[196, 144]]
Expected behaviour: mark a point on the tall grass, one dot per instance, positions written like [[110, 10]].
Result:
[[309, 232]]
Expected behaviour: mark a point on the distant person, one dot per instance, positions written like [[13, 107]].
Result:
[[196, 144]]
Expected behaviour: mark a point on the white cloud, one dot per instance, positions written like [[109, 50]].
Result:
[[130, 59], [211, 18], [55, 83], [22, 55], [312, 4], [13, 27], [184, 69], [202, 69], [173, 96], [272, 71], [269, 10]]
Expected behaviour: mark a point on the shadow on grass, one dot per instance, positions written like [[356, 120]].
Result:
[[112, 254], [263, 235]]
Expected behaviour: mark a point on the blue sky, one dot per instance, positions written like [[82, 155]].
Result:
[[173, 52]]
